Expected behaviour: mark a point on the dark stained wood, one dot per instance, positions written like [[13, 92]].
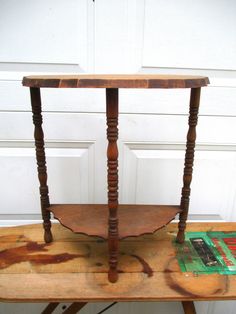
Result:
[[41, 161], [134, 220], [116, 81], [189, 159], [112, 180], [188, 307]]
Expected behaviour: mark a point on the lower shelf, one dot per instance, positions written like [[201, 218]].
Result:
[[134, 220]]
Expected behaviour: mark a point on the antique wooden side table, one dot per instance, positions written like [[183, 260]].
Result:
[[112, 221]]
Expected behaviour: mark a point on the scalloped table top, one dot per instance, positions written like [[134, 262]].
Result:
[[115, 81]]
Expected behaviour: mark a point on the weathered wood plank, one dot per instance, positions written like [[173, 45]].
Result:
[[74, 268], [64, 257], [85, 287]]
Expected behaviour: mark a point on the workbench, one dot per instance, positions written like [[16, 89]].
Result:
[[73, 268]]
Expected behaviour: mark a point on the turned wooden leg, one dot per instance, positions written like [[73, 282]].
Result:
[[188, 307], [189, 159], [112, 178], [41, 161]]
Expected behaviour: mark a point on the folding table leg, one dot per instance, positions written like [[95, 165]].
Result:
[[74, 308], [50, 308], [188, 307]]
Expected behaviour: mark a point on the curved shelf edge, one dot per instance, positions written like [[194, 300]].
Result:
[[134, 220]]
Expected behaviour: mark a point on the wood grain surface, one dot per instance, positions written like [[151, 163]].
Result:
[[116, 81], [74, 268], [134, 220]]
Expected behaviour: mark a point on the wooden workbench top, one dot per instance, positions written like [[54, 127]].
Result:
[[74, 268]]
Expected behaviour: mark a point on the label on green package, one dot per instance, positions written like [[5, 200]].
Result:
[[208, 252]]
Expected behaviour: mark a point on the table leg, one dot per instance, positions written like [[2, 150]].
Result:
[[188, 307], [74, 308], [112, 178], [41, 161], [189, 159], [50, 308]]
